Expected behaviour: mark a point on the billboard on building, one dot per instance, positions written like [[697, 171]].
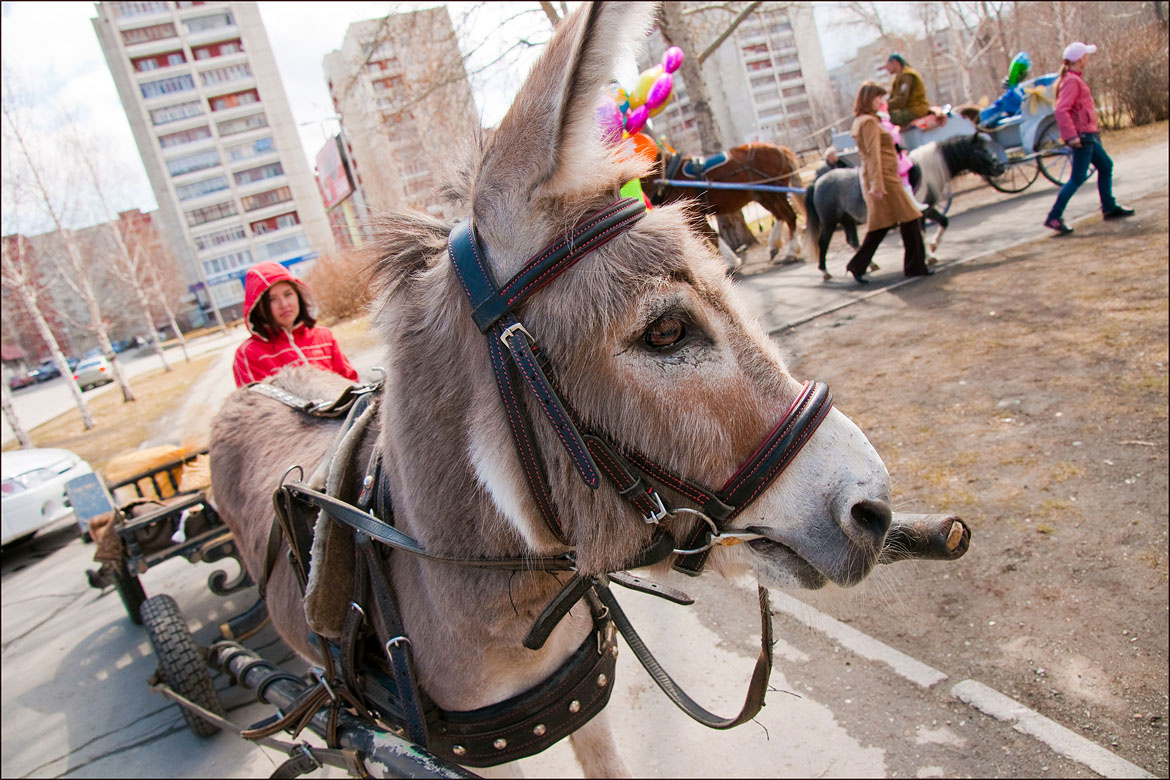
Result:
[[332, 177]]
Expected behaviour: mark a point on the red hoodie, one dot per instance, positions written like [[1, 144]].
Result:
[[258, 357]]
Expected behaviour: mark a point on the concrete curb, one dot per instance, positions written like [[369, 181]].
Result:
[[982, 697], [1062, 740]]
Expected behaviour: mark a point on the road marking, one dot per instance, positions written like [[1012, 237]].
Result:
[[1064, 741], [864, 645]]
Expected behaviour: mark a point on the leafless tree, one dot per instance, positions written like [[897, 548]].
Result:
[[69, 251], [678, 26], [13, 421], [21, 278]]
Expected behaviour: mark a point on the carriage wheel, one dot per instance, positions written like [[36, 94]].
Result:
[[1056, 168], [1018, 176], [130, 590], [181, 663]]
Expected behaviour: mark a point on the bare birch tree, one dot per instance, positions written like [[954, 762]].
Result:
[[76, 270], [13, 421], [21, 278]]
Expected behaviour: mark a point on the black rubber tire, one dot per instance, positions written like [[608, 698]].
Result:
[[130, 590], [181, 663]]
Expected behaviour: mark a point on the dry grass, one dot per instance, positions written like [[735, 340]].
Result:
[[121, 427]]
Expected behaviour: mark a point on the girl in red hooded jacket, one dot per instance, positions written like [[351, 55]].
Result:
[[280, 313]]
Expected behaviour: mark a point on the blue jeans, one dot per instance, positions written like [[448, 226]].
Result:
[[1090, 151]]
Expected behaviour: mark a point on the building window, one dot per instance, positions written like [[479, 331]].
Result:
[[767, 113], [254, 149], [252, 175], [152, 89], [241, 125], [155, 32], [211, 213], [227, 263], [262, 226], [282, 247], [759, 64], [193, 162], [189, 3], [161, 116], [794, 92], [200, 188], [759, 48], [126, 10], [154, 61], [217, 49], [212, 22], [224, 75], [234, 100], [262, 199], [219, 237], [184, 136]]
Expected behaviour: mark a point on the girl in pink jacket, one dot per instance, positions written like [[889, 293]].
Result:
[[1076, 116], [280, 314]]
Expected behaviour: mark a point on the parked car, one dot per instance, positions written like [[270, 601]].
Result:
[[121, 346], [45, 371], [20, 380], [34, 490], [72, 363], [91, 372]]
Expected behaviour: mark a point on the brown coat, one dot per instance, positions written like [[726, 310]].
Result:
[[879, 161]]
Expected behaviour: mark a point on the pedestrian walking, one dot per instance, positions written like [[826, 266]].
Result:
[[1076, 117], [886, 202], [281, 317]]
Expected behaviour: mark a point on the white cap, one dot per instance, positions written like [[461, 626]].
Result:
[[1076, 50]]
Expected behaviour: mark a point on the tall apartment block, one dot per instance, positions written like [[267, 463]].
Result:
[[767, 81], [401, 92], [211, 120]]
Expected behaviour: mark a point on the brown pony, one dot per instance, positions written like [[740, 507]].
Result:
[[649, 345], [754, 163]]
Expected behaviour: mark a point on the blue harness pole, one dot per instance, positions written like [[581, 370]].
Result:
[[718, 185]]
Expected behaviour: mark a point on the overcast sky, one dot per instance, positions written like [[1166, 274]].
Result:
[[52, 49]]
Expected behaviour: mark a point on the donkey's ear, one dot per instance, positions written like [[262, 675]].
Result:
[[549, 145]]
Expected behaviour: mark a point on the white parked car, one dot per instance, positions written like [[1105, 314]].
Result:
[[34, 489], [93, 371]]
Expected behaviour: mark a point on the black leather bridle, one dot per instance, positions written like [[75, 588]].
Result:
[[516, 358]]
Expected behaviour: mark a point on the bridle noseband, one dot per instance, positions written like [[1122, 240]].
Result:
[[516, 358]]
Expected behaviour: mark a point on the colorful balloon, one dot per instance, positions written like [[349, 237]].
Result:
[[672, 59], [642, 88], [636, 119], [659, 91]]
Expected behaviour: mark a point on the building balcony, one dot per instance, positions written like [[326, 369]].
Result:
[[161, 73], [210, 35], [147, 48], [143, 18], [260, 185]]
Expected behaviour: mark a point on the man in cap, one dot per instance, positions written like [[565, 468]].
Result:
[[907, 94]]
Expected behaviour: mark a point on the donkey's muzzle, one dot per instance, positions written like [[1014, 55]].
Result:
[[925, 537]]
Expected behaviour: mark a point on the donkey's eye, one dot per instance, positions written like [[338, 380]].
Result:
[[665, 332]]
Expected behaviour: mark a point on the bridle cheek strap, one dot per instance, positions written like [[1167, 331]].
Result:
[[633, 474]]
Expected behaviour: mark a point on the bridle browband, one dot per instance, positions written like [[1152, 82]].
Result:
[[633, 474]]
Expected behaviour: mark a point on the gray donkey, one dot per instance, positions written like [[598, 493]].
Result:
[[651, 358]]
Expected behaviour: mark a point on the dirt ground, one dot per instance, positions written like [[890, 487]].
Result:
[[1027, 393]]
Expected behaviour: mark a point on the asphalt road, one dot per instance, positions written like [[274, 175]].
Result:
[[75, 700]]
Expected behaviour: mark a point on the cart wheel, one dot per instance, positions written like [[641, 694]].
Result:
[[1018, 176], [181, 663], [1056, 168], [130, 590]]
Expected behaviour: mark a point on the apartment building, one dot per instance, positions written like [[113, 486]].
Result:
[[767, 81], [209, 114], [401, 93]]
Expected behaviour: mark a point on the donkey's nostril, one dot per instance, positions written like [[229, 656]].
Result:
[[873, 518]]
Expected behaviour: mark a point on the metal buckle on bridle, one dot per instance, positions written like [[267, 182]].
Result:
[[659, 514], [715, 537], [511, 331]]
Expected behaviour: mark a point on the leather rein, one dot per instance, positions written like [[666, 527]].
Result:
[[518, 362]]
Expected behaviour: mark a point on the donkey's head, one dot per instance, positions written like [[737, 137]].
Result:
[[644, 336]]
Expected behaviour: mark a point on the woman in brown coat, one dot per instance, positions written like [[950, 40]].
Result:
[[886, 203]]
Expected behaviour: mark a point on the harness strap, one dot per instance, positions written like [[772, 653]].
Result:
[[392, 637], [391, 537], [757, 689]]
